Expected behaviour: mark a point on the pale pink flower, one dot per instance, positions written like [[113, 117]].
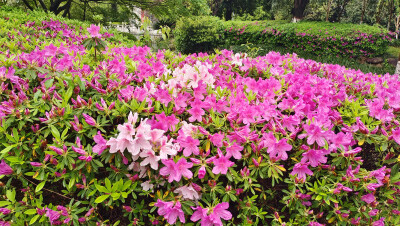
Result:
[[150, 158], [188, 192], [146, 186]]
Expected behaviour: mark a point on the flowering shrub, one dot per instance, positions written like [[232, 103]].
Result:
[[134, 137], [319, 38]]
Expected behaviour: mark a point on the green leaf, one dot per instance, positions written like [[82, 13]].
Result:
[[55, 132], [40, 186], [8, 148], [11, 195], [4, 203], [101, 198], [49, 83], [101, 188], [108, 184], [30, 211], [34, 219]]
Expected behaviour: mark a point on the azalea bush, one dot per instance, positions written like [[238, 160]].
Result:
[[131, 137], [319, 38]]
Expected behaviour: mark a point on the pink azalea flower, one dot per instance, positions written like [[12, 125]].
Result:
[[170, 211], [368, 198], [301, 169], [380, 222], [214, 217], [150, 158], [221, 164], [196, 113], [89, 120], [190, 146], [175, 171], [52, 215], [94, 31], [101, 143], [314, 134], [396, 135], [5, 169], [276, 149], [188, 192], [202, 172], [314, 157], [216, 139], [234, 150]]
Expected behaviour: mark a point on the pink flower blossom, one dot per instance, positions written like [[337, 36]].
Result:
[[5, 169], [101, 143], [89, 120], [94, 31], [188, 192], [314, 157], [170, 211], [221, 164], [215, 214], [301, 169], [175, 171], [276, 149], [190, 146], [368, 198]]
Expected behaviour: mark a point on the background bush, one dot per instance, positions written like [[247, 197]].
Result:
[[319, 38], [198, 34]]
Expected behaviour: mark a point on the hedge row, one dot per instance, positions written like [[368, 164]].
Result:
[[321, 38]]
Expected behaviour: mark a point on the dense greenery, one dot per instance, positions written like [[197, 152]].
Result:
[[320, 38]]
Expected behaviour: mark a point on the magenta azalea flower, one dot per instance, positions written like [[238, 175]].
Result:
[[170, 211], [175, 171], [215, 215], [101, 143], [94, 31], [301, 169], [314, 134], [396, 135], [368, 198], [89, 120], [190, 146], [221, 165], [314, 157], [5, 169], [276, 149]]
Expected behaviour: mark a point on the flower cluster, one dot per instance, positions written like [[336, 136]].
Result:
[[134, 136]]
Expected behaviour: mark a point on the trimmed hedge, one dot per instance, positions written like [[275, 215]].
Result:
[[320, 38], [198, 34]]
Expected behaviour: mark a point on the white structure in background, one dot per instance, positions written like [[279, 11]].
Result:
[[134, 26]]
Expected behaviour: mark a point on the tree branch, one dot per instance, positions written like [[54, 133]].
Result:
[[28, 5]]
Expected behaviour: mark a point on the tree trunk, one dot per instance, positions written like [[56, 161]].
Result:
[[391, 8], [328, 10], [363, 11], [298, 10], [84, 10], [342, 9], [378, 14], [397, 71], [28, 5]]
